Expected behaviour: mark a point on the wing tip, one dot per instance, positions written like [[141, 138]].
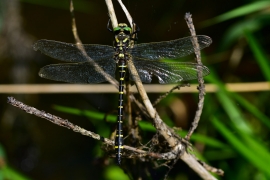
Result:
[[36, 45], [206, 40]]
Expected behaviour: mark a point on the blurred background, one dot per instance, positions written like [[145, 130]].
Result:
[[233, 133]]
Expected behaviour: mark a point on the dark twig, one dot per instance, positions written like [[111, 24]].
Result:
[[164, 130], [201, 87], [65, 123], [130, 20], [167, 93], [211, 169], [157, 121], [57, 120], [174, 162], [82, 49]]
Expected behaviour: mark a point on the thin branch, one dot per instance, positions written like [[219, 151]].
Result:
[[130, 20], [82, 49], [107, 88], [65, 123], [57, 120], [211, 169], [139, 105], [157, 121], [167, 93], [201, 87], [111, 13], [129, 109], [163, 129], [173, 164], [196, 166]]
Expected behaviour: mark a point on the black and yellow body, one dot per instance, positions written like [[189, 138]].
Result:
[[147, 58], [121, 44]]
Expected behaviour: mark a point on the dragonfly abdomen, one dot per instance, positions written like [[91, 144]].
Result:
[[119, 132]]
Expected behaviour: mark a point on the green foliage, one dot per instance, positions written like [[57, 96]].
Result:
[[6, 172], [115, 172], [259, 54], [9, 173], [230, 118], [244, 10], [144, 125], [234, 129]]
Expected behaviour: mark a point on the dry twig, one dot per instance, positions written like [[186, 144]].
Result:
[[212, 169], [65, 123], [167, 93], [82, 49], [201, 87], [178, 148]]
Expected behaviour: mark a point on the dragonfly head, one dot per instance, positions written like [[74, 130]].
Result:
[[122, 31]]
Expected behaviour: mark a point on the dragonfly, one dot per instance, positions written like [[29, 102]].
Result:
[[148, 58]]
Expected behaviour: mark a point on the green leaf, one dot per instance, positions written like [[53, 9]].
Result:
[[229, 105], [244, 149], [241, 11], [252, 109], [115, 172], [90, 114], [10, 173], [259, 54], [205, 139], [144, 125]]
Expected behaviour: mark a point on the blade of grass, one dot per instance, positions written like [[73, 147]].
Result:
[[10, 173], [115, 172], [235, 31], [90, 114], [259, 54], [242, 148], [235, 114], [256, 146], [205, 139], [220, 154], [228, 105], [252, 109], [144, 125], [240, 11]]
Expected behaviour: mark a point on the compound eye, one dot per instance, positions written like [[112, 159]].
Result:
[[116, 31], [126, 32]]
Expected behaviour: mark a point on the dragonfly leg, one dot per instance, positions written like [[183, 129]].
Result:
[[109, 25], [135, 30]]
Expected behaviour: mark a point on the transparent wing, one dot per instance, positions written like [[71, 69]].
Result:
[[70, 53], [81, 73], [169, 49], [166, 72]]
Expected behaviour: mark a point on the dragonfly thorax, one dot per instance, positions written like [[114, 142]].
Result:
[[121, 43]]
